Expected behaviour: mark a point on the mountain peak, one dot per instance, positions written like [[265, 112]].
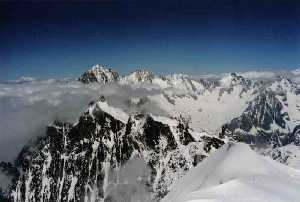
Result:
[[99, 73], [140, 76], [233, 79], [281, 85]]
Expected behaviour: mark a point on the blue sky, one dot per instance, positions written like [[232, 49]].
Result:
[[63, 39]]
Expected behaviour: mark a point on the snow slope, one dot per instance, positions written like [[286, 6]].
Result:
[[289, 154], [235, 173], [209, 109]]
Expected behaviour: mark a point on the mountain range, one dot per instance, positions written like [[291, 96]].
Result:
[[146, 149]]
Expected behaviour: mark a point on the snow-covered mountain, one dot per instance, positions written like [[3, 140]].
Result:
[[75, 162], [99, 74], [170, 123], [138, 76], [235, 173], [141, 77]]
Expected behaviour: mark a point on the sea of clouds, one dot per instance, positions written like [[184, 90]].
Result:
[[27, 106]]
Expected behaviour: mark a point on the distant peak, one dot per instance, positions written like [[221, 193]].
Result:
[[236, 76], [141, 71], [140, 76], [234, 79], [100, 67], [99, 73], [282, 83]]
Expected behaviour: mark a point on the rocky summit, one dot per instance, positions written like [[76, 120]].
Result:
[[99, 74], [76, 162]]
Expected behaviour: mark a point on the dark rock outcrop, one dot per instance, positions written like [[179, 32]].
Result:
[[75, 162]]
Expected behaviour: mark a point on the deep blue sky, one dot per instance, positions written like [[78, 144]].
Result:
[[62, 39]]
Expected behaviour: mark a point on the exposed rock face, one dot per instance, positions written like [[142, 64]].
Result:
[[99, 74], [75, 162], [8, 172], [265, 121]]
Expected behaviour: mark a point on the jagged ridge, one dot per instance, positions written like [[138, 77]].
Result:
[[73, 163]]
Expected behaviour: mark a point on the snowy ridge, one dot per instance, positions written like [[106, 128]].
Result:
[[288, 155], [142, 77], [232, 166], [138, 76], [102, 105]]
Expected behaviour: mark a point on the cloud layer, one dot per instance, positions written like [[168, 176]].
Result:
[[27, 107]]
